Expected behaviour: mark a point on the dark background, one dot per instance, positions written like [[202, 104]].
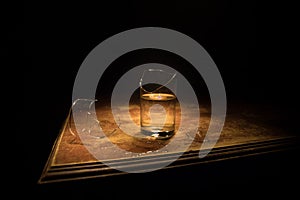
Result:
[[51, 40]]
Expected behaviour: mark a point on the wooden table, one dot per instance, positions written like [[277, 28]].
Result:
[[248, 131]]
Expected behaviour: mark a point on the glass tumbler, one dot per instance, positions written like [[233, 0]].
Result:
[[158, 103]]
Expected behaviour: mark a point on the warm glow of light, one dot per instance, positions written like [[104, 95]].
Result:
[[158, 97]]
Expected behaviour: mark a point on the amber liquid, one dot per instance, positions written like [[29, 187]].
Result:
[[158, 115]]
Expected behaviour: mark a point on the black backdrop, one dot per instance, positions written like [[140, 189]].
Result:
[[56, 37]]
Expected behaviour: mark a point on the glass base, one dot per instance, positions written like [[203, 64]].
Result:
[[157, 133]]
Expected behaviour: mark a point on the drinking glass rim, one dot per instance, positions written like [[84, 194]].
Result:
[[157, 70]]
